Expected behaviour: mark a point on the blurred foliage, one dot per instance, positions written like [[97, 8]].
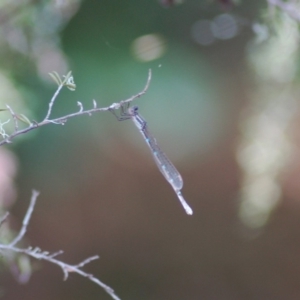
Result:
[[29, 45]]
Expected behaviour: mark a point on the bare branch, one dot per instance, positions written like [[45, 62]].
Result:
[[52, 101], [37, 253], [66, 268], [119, 104], [62, 120], [26, 219], [68, 80], [3, 218]]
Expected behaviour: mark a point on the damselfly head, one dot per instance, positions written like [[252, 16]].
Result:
[[133, 110]]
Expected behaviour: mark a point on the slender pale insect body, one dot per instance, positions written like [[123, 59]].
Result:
[[163, 163]]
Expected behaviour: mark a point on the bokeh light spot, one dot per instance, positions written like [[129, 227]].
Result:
[[201, 33], [224, 27], [149, 47]]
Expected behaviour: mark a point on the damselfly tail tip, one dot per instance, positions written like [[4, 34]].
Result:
[[188, 210], [186, 207]]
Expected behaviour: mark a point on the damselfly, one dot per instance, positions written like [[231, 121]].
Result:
[[163, 163]]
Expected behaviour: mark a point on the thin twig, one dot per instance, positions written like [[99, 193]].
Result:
[[80, 106], [56, 253], [14, 117], [52, 101], [119, 104], [88, 260], [26, 219], [3, 218]]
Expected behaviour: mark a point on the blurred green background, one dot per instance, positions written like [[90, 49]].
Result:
[[101, 192]]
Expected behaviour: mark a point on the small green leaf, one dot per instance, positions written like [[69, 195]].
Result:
[[23, 118], [71, 88], [56, 78], [57, 75], [67, 77], [70, 84]]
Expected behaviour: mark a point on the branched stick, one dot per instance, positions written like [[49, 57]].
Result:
[[37, 253], [62, 120], [68, 81]]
